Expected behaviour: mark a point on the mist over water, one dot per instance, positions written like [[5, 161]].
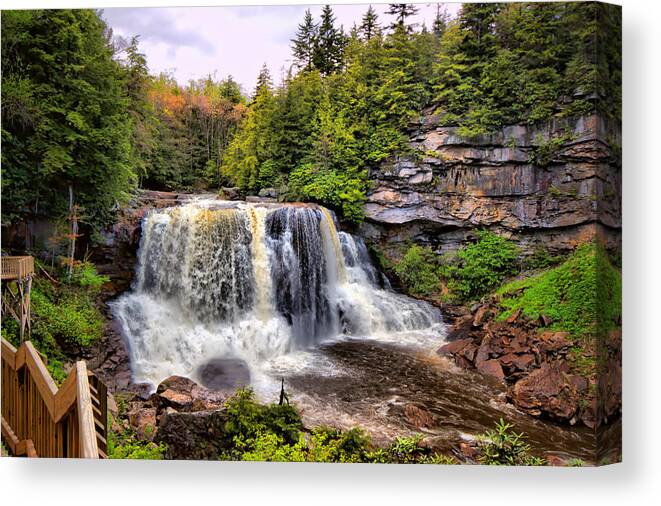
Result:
[[266, 284]]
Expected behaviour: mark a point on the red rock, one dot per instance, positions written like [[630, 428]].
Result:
[[514, 316], [481, 315], [491, 368], [143, 420], [553, 342], [555, 460], [520, 362], [547, 390], [418, 417], [184, 394], [468, 451]]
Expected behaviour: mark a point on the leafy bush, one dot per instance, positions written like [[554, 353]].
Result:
[[543, 152], [71, 319], [248, 420], [419, 270], [582, 296], [482, 266], [541, 259], [408, 450], [340, 191], [504, 447], [85, 275]]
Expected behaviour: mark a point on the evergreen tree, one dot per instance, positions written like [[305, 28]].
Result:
[[264, 81], [330, 44], [65, 117], [369, 26], [440, 21], [305, 42], [401, 13]]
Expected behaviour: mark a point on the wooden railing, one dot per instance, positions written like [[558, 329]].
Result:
[[17, 267], [38, 419]]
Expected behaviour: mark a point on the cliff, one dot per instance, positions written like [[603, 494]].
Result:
[[552, 185]]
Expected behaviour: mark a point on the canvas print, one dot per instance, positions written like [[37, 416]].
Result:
[[385, 233]]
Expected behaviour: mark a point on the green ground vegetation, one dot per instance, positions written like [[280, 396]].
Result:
[[471, 272], [582, 296], [65, 317], [275, 433]]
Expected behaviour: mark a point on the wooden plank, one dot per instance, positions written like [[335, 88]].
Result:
[[8, 354], [66, 396], [8, 436], [87, 434], [27, 356]]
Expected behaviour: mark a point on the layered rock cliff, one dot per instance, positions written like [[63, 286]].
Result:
[[552, 185]]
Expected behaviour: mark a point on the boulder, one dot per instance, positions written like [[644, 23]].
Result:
[[553, 342], [184, 394], [270, 193], [143, 421], [231, 193], [547, 391], [481, 315], [192, 436], [491, 368], [463, 351], [518, 362]]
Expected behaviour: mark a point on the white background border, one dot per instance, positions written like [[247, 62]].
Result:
[[637, 481]]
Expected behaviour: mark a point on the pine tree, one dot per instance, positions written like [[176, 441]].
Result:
[[369, 26], [440, 21], [401, 13], [330, 43], [264, 81], [305, 42]]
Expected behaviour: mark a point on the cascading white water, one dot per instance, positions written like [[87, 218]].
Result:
[[254, 282]]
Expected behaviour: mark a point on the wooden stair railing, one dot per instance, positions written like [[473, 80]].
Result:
[[38, 419]]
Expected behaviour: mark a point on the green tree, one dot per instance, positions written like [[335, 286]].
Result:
[[329, 44], [401, 12], [369, 26], [304, 43], [65, 112]]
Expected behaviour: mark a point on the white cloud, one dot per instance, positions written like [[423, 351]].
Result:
[[192, 42]]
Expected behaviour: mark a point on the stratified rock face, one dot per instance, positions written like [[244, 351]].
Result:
[[457, 185]]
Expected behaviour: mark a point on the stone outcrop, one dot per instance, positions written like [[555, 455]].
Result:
[[518, 182]]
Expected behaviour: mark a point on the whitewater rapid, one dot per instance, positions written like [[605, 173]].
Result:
[[264, 284]]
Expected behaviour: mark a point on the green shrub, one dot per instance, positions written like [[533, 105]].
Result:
[[85, 275], [581, 296], [340, 191], [504, 447], [541, 259], [72, 319], [543, 152], [247, 421], [482, 266], [419, 270]]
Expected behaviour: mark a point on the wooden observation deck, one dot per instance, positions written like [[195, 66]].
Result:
[[17, 268], [17, 275]]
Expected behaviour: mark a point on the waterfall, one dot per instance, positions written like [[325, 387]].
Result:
[[253, 282]]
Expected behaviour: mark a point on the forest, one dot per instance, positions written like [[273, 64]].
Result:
[[82, 117]]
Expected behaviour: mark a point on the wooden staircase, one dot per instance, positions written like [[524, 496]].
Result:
[[40, 420]]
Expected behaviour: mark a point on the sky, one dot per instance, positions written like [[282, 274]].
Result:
[[193, 42]]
